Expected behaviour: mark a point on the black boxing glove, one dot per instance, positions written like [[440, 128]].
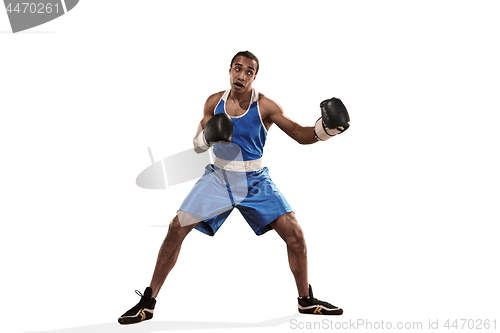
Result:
[[218, 128], [334, 119]]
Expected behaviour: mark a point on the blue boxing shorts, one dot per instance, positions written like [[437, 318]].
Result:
[[219, 191]]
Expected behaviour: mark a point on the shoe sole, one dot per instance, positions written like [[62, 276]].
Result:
[[319, 310], [142, 316], [131, 322]]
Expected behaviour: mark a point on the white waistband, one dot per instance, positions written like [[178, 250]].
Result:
[[239, 166]]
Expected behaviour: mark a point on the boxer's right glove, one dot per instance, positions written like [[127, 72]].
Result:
[[218, 128], [334, 119]]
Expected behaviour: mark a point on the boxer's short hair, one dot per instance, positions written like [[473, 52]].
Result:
[[249, 55]]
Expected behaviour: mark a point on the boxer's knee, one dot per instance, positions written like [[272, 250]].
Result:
[[291, 232], [296, 240], [176, 231]]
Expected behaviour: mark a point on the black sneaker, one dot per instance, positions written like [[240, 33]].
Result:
[[142, 311], [311, 305]]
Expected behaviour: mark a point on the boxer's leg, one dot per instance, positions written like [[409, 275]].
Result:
[[167, 258], [289, 230], [169, 251]]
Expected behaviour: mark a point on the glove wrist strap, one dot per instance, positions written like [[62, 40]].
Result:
[[320, 131], [200, 142]]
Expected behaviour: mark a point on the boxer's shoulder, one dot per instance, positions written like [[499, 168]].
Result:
[[268, 106], [212, 102], [215, 98]]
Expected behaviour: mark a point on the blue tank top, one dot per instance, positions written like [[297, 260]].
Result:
[[249, 133]]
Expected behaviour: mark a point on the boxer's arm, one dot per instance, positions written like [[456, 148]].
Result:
[[301, 134], [200, 145], [209, 108]]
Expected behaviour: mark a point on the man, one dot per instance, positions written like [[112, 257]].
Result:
[[235, 122]]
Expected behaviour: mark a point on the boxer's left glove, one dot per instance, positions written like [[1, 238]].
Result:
[[334, 119], [218, 129]]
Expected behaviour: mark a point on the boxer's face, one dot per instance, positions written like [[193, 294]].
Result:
[[242, 74]]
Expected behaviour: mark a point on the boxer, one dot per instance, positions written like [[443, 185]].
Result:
[[235, 124]]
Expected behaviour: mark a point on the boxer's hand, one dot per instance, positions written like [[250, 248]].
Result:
[[218, 128], [334, 119]]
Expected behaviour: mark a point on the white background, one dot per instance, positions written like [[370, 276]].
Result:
[[399, 212]]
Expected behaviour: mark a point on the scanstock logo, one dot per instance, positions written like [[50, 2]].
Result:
[[26, 14]]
